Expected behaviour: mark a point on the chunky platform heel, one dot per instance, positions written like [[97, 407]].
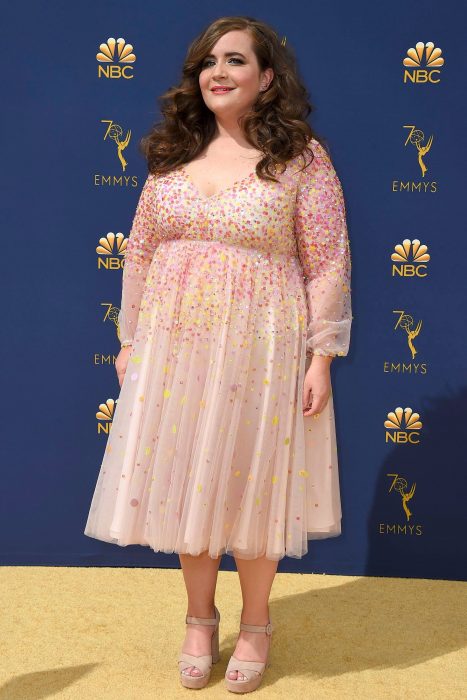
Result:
[[252, 670], [203, 663]]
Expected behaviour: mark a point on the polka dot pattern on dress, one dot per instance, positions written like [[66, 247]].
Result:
[[224, 299]]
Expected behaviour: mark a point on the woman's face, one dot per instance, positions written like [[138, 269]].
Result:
[[232, 63]]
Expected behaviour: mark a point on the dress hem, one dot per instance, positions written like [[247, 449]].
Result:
[[314, 535]]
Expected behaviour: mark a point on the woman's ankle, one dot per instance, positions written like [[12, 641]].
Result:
[[204, 610], [255, 616]]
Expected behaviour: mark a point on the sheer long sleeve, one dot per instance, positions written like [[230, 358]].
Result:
[[324, 252], [142, 242]]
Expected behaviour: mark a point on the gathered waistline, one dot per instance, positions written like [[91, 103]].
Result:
[[255, 252]]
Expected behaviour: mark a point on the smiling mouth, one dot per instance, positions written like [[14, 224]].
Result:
[[222, 89]]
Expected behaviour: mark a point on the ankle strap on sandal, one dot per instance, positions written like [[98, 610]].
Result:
[[203, 620], [257, 628]]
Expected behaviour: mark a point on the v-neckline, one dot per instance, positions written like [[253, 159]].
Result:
[[201, 195]]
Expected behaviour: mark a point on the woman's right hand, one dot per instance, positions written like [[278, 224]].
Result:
[[121, 363]]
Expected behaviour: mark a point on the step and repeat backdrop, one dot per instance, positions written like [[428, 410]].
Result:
[[388, 87]]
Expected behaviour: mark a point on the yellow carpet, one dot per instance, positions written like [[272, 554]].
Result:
[[115, 633]]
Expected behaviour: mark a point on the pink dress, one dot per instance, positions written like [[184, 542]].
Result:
[[225, 298]]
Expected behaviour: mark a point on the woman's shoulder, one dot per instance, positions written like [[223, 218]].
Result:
[[313, 160], [317, 149]]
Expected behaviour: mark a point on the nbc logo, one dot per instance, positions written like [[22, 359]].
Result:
[[394, 424], [111, 246], [115, 57], [424, 60], [105, 415], [411, 258]]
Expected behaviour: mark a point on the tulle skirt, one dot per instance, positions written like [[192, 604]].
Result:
[[208, 448]]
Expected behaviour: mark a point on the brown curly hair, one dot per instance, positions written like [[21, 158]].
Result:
[[275, 125]]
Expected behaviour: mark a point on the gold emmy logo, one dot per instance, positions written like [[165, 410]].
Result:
[[105, 414], [411, 256], [400, 485], [416, 138], [113, 53], [406, 323], [394, 424], [427, 55], [109, 247], [112, 315], [114, 132]]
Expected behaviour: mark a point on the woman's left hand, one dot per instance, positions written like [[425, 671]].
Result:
[[317, 385]]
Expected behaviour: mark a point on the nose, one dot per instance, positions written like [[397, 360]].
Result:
[[219, 72], [219, 76]]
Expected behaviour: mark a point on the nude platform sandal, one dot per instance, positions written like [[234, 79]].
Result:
[[202, 662], [252, 670]]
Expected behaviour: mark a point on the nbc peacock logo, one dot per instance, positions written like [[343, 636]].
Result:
[[422, 63], [409, 259], [403, 426], [111, 251], [105, 416], [115, 58]]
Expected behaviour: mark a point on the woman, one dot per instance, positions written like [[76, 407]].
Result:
[[237, 273]]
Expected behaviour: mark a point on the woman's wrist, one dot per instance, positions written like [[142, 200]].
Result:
[[322, 359]]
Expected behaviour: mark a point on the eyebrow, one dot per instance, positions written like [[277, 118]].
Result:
[[227, 53]]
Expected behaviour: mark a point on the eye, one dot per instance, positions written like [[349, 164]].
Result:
[[206, 63]]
